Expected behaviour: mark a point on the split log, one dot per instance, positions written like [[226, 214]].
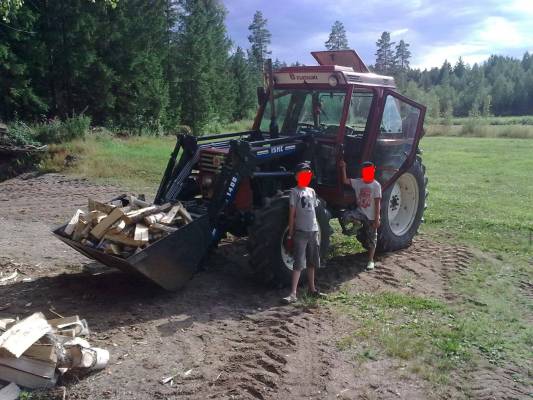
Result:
[[171, 215], [69, 229], [19, 337], [102, 207], [99, 230], [141, 233], [162, 228]]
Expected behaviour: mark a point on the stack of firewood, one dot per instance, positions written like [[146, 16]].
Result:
[[126, 225]]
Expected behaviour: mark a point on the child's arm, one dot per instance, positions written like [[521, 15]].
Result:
[[292, 213], [377, 215], [344, 178]]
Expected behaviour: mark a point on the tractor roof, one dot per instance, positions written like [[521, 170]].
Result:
[[341, 66]]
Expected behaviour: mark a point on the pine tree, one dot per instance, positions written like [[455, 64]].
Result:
[[337, 38], [402, 56], [384, 55], [244, 88], [459, 69], [259, 39], [17, 94], [206, 84]]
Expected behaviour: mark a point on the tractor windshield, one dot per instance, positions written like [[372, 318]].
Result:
[[301, 111]]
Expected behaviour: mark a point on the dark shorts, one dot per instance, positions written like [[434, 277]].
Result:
[[371, 234], [306, 250]]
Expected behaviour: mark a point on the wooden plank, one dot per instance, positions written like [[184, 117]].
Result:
[[26, 379], [10, 392], [118, 227], [141, 233], [102, 207], [99, 230], [44, 369], [18, 338], [69, 229]]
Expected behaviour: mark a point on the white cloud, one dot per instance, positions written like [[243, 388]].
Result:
[[434, 56], [498, 32], [399, 32]]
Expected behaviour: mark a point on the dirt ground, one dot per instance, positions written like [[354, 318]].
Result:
[[223, 337]]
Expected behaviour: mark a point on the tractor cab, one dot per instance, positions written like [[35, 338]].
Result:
[[352, 113]]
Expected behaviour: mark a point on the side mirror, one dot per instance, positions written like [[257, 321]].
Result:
[[261, 95]]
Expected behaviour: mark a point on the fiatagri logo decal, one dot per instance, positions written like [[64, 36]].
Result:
[[303, 77]]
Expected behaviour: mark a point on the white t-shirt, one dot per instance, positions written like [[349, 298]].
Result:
[[365, 194], [305, 202]]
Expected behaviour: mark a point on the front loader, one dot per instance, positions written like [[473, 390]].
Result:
[[237, 183]]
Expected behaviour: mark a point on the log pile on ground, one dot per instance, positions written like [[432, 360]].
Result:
[[125, 226], [34, 352]]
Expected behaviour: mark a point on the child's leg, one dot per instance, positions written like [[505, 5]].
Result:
[[313, 259], [311, 278], [371, 252], [295, 278]]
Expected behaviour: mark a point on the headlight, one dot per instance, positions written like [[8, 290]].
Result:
[[333, 81]]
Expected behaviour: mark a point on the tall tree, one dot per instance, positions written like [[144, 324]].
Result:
[[384, 54], [259, 39], [17, 94], [244, 87], [337, 38], [402, 56], [204, 67]]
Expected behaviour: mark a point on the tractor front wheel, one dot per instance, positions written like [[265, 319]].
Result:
[[269, 260]]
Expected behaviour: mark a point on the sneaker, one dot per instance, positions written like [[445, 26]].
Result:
[[370, 265], [290, 299], [316, 294]]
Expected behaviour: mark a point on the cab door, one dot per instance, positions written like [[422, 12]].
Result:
[[394, 145]]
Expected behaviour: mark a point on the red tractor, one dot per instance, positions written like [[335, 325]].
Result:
[[238, 182]]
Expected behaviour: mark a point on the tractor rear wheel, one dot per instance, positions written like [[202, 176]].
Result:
[[402, 209], [269, 260]]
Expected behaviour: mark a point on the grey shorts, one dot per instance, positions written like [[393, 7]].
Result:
[[357, 216], [306, 250]]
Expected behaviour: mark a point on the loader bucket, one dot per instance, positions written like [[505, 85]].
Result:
[[170, 262]]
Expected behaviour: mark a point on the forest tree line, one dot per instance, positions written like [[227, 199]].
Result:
[[159, 64]]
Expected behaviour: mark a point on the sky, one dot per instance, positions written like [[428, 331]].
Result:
[[436, 30]]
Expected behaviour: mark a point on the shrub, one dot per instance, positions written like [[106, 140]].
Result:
[[20, 134], [56, 131]]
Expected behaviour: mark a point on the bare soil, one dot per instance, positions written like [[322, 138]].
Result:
[[222, 337]]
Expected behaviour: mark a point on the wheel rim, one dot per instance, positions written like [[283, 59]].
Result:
[[288, 260], [403, 204]]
